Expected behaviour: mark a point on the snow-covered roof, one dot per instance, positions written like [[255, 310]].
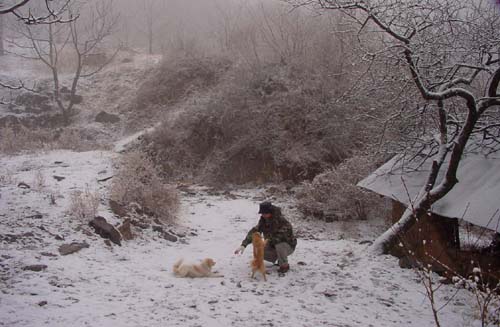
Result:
[[475, 198]]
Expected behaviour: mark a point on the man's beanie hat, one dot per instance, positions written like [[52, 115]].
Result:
[[265, 207]]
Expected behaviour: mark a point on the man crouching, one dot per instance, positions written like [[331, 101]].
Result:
[[278, 233]]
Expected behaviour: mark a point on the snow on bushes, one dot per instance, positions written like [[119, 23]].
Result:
[[266, 125], [138, 182]]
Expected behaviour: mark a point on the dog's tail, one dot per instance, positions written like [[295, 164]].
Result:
[[177, 265]]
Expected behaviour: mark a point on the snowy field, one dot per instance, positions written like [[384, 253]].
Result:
[[333, 280]]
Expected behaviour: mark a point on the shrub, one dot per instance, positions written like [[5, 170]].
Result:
[[266, 125], [18, 138], [177, 78], [84, 204], [138, 182], [333, 194]]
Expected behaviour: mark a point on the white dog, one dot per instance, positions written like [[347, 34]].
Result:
[[203, 269]]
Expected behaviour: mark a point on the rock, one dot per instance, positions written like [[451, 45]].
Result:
[[48, 254], [366, 242], [36, 215], [229, 195], [118, 208], [157, 228], [408, 263], [9, 238], [23, 185], [178, 234], [330, 217], [329, 293], [169, 237], [126, 230], [42, 303], [104, 117], [165, 234], [35, 267], [106, 230], [58, 178], [105, 179], [140, 224], [301, 263], [73, 247]]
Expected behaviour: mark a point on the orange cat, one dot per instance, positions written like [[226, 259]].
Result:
[[258, 255]]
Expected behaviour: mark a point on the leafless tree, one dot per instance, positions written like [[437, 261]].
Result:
[[450, 50], [53, 11], [79, 40], [2, 22]]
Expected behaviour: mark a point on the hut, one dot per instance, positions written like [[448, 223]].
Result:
[[435, 238]]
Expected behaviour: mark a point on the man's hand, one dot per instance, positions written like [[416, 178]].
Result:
[[239, 250]]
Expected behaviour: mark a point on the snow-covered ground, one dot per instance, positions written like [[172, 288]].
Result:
[[333, 280]]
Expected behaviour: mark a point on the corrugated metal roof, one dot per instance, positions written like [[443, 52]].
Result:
[[476, 197]]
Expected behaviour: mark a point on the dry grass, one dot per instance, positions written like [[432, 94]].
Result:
[[84, 204], [269, 125], [16, 139], [39, 182], [6, 177], [138, 182], [178, 78]]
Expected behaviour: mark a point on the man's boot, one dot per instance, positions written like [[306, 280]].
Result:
[[284, 268]]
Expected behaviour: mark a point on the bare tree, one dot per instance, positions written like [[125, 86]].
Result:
[[2, 22], [450, 49], [77, 40], [51, 14]]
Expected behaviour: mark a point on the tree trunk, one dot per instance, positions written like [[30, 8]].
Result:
[[2, 51]]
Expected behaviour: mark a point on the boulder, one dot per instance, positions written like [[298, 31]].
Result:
[[165, 234], [73, 247], [104, 117], [169, 237], [23, 185], [105, 230], [35, 267]]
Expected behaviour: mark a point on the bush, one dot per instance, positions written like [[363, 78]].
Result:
[[84, 204], [18, 138], [333, 195], [266, 125], [138, 182], [177, 78]]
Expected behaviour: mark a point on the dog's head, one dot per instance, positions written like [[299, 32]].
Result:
[[257, 239], [209, 262], [256, 236]]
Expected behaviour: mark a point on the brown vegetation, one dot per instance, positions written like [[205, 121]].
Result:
[[138, 183]]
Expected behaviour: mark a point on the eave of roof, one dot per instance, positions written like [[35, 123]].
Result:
[[475, 198]]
